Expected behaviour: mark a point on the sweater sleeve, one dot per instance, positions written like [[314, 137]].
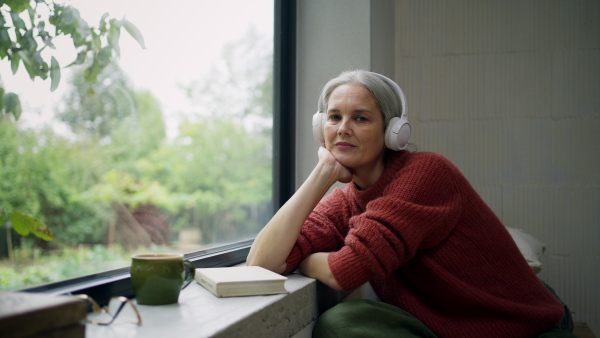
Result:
[[417, 210], [323, 231]]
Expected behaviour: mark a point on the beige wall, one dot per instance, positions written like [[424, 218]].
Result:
[[510, 92], [333, 36]]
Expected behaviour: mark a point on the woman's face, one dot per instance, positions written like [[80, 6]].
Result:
[[353, 128]]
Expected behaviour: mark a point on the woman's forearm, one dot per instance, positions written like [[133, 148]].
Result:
[[273, 244], [317, 266]]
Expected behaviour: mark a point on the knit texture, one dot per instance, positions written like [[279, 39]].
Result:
[[429, 244]]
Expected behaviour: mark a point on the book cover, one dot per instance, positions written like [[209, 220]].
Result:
[[25, 314], [240, 281]]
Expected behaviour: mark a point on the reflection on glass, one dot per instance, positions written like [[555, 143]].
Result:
[[170, 151]]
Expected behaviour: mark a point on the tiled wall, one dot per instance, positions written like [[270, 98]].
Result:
[[510, 92]]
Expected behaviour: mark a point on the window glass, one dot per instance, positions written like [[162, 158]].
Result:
[[170, 151]]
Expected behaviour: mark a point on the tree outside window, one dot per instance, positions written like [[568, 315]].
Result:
[[119, 168]]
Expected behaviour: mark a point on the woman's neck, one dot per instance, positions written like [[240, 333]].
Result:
[[366, 177]]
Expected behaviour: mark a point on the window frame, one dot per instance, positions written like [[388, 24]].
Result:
[[102, 286]]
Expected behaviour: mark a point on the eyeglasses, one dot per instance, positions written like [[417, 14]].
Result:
[[117, 305]]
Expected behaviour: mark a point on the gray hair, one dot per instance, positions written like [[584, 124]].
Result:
[[384, 93]]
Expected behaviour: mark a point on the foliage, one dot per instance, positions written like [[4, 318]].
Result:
[[13, 200], [25, 224], [94, 110], [66, 264], [40, 172], [25, 37], [211, 175]]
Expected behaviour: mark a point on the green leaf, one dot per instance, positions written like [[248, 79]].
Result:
[[104, 56], [17, 21], [5, 42], [12, 104], [17, 110], [31, 12], [96, 41], [25, 224], [102, 26], [28, 41], [1, 100], [27, 63], [66, 19], [114, 33], [41, 26], [38, 65], [14, 63], [80, 59], [91, 73], [17, 5], [54, 74], [82, 31], [134, 32]]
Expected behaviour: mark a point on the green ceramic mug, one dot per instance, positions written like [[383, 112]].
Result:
[[157, 279]]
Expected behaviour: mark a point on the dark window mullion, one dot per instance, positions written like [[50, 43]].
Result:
[[284, 102]]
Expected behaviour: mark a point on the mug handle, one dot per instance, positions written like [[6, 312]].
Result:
[[190, 272]]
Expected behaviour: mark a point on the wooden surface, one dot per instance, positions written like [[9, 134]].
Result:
[[583, 330], [35, 314]]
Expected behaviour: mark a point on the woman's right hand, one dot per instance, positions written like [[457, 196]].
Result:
[[339, 172]]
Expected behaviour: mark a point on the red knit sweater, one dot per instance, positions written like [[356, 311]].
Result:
[[429, 244]]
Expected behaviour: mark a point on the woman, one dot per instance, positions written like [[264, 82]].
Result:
[[407, 222]]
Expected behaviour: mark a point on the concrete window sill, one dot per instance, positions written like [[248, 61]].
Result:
[[200, 314]]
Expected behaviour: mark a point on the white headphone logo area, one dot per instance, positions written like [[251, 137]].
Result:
[[397, 133]]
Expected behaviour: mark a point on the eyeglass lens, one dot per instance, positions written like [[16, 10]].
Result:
[[123, 310], [119, 309]]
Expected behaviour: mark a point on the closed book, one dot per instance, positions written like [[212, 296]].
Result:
[[240, 281], [24, 314]]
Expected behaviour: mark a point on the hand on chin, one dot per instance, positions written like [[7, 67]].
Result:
[[344, 174]]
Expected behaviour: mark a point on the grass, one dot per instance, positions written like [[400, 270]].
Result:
[[30, 267]]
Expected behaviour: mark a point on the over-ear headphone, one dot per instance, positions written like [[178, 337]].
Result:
[[397, 133]]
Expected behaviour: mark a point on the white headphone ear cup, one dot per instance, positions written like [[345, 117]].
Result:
[[317, 127], [397, 133]]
